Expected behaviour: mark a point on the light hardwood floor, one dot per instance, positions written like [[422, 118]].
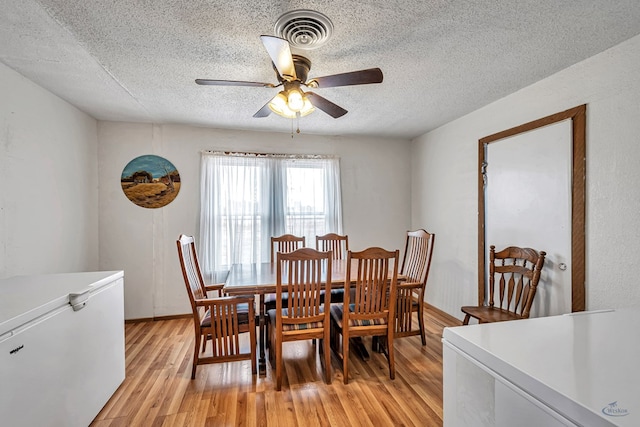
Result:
[[158, 390]]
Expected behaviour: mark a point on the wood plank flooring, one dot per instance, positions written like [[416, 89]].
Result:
[[158, 390]]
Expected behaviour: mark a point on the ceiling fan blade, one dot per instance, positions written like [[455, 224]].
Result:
[[280, 54], [264, 111], [362, 77], [208, 82], [325, 105]]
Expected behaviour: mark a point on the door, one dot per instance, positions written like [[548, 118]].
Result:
[[531, 194], [528, 204]]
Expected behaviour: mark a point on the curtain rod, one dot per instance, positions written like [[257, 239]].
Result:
[[274, 155]]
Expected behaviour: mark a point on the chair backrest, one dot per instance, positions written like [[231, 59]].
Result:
[[336, 243], [417, 256], [302, 275], [191, 270], [515, 273], [286, 243], [373, 293]]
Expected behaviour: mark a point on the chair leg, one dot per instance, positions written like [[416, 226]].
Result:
[[327, 357], [466, 319], [278, 348], [345, 356], [421, 324], [254, 361], [333, 336], [204, 345], [196, 348], [390, 355], [271, 348]]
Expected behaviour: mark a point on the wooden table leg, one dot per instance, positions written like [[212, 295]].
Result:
[[262, 331]]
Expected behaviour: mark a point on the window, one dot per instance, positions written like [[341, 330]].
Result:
[[247, 198]]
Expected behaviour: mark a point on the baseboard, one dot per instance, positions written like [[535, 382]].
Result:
[[157, 318]]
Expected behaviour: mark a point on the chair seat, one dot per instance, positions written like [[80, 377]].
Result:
[[292, 327], [490, 314], [338, 309], [243, 316]]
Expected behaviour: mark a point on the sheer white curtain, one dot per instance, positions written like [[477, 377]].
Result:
[[247, 198]]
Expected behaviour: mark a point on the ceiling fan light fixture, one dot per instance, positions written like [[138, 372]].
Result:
[[281, 105]]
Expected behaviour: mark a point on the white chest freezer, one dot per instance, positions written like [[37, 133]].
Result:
[[61, 347], [579, 369]]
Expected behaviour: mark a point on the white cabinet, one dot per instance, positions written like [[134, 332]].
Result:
[[60, 364], [475, 396], [570, 370]]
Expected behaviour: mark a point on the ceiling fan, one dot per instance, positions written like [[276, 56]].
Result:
[[291, 71]]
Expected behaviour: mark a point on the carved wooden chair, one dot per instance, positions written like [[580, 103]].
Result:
[[513, 279], [302, 314], [370, 312], [415, 271], [220, 320]]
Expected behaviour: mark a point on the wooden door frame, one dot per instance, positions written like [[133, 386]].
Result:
[[578, 191]]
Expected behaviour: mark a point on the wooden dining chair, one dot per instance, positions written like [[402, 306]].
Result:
[[513, 279], [301, 315], [286, 243], [415, 271], [339, 246], [336, 243], [370, 312], [220, 320]]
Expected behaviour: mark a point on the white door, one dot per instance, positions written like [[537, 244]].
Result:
[[528, 204]]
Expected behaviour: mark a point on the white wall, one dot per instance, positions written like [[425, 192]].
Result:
[[48, 182], [375, 196], [444, 178]]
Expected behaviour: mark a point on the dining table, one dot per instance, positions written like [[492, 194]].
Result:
[[260, 279]]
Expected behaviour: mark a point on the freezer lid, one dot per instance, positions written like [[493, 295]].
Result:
[[25, 298], [583, 365]]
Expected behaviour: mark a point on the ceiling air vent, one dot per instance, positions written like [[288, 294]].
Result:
[[304, 29]]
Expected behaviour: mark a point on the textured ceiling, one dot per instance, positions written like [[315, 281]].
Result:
[[136, 60]]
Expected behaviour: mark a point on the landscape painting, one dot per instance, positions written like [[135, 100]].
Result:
[[150, 181]]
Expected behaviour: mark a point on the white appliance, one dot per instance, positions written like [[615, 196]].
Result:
[[580, 369], [61, 347]]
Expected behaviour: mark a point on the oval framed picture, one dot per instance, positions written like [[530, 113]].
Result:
[[150, 181]]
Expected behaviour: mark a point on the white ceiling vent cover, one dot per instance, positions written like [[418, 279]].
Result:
[[304, 29]]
